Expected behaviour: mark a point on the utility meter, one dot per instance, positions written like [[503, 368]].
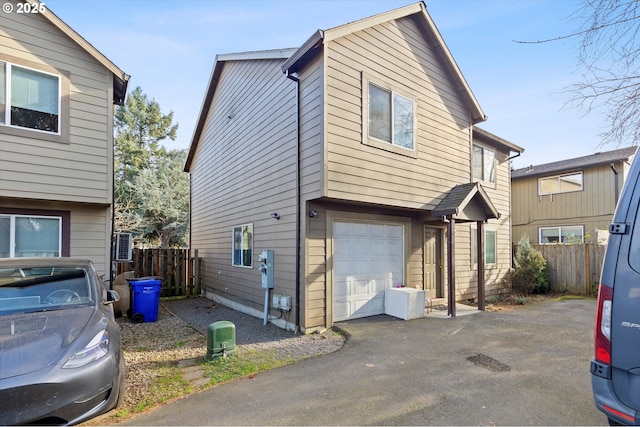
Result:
[[266, 268]]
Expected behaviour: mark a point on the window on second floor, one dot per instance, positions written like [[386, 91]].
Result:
[[391, 117], [560, 183], [561, 234], [483, 164], [29, 98]]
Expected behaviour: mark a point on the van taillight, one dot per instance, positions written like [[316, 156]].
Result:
[[603, 325]]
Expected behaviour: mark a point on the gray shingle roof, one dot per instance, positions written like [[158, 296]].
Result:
[[463, 194], [576, 163]]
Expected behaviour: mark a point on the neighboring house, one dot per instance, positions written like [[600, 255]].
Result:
[[570, 200], [356, 160], [57, 96]]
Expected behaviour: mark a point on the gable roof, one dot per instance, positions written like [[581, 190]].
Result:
[[120, 78], [597, 159], [212, 85], [486, 136], [463, 196], [311, 47]]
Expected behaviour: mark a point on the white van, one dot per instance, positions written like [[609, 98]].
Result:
[[615, 369]]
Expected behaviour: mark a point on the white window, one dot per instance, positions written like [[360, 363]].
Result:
[[561, 234], [483, 164], [243, 246], [29, 98], [560, 184], [391, 117], [30, 236], [489, 246]]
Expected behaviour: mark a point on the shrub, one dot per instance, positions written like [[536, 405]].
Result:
[[531, 273]]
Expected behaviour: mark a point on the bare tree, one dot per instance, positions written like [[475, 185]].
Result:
[[609, 58]]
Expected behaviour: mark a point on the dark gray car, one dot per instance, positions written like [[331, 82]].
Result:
[[60, 356], [615, 368]]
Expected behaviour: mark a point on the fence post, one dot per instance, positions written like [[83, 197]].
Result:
[[587, 261]]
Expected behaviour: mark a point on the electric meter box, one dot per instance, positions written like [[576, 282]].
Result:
[[266, 268]]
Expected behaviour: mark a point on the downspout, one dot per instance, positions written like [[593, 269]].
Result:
[[298, 197], [615, 183]]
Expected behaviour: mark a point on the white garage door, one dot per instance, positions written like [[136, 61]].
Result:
[[367, 259]]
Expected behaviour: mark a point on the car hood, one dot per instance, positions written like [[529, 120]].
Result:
[[31, 341]]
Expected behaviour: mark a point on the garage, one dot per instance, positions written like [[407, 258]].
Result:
[[368, 257]]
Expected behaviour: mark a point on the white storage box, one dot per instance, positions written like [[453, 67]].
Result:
[[405, 303]]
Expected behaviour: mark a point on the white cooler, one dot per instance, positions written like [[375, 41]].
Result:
[[405, 303]]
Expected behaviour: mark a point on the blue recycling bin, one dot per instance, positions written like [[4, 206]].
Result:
[[146, 298]]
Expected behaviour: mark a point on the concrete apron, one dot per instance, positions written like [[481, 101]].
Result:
[[438, 308]]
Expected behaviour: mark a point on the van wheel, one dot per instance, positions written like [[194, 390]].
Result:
[[613, 422]]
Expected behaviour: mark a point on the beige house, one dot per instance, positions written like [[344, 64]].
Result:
[[57, 97], [568, 201], [356, 160]]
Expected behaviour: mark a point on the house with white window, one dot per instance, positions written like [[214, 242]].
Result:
[[357, 160], [57, 97], [568, 201]]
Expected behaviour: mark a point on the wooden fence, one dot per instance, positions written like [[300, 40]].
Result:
[[179, 272], [574, 268]]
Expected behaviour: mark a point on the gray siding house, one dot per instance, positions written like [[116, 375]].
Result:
[[57, 97], [356, 159]]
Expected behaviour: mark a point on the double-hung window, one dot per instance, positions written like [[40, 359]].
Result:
[[30, 236], [243, 246], [29, 98], [390, 118], [489, 246], [483, 166]]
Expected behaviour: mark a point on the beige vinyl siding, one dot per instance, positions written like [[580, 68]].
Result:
[[395, 53], [243, 171], [592, 207], [78, 167], [312, 145], [466, 272]]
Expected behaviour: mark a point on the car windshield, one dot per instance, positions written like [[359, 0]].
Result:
[[43, 288]]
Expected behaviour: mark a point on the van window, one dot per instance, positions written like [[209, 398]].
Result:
[[634, 249]]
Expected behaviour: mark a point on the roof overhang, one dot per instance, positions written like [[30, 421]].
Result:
[[467, 203], [212, 85], [120, 78]]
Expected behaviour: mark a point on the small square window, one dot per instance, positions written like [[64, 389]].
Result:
[[391, 117], [483, 164], [243, 246], [29, 98]]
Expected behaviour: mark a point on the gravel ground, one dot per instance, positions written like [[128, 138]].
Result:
[[251, 333], [179, 336]]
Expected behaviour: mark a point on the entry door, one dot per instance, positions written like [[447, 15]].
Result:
[[433, 262]]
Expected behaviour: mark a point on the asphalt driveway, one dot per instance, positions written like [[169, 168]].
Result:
[[527, 366]]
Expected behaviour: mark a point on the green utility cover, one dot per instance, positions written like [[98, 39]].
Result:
[[221, 339]]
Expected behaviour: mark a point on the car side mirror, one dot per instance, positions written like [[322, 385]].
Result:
[[112, 296]]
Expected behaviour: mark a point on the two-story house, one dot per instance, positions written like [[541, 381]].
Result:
[[57, 97], [356, 159], [568, 201]]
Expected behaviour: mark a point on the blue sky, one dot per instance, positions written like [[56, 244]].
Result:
[[169, 47]]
